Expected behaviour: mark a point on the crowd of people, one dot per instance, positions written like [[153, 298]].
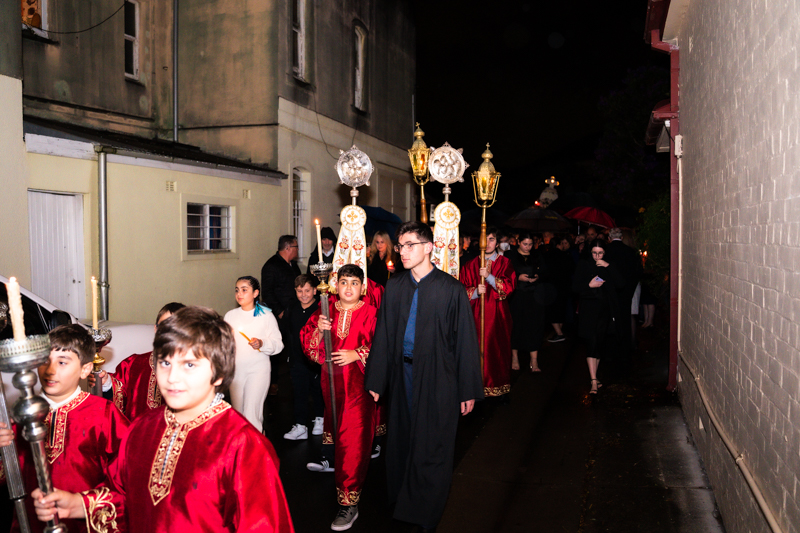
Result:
[[412, 349]]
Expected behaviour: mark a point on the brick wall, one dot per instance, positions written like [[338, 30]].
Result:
[[740, 117]]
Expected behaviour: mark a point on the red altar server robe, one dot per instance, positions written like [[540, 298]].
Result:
[[352, 329], [84, 437], [134, 385], [497, 313], [373, 296], [216, 473]]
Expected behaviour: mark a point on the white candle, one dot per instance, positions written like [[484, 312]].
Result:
[[94, 302], [15, 307], [319, 241]]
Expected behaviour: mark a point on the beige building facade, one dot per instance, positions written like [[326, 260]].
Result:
[[257, 140]]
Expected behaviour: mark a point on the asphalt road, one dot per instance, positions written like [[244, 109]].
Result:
[[553, 459]]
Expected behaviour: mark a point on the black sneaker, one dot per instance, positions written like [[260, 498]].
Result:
[[345, 517], [556, 338], [322, 466], [376, 451]]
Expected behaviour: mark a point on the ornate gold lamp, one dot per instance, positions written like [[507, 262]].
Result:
[[419, 153], [484, 185]]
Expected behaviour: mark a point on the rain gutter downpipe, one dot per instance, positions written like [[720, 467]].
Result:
[[674, 263], [175, 70], [102, 218]]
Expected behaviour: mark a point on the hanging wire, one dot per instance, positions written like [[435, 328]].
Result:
[[79, 31], [316, 115]]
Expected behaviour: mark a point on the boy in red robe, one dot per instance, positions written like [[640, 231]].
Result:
[[84, 436], [500, 282], [194, 464], [352, 327], [132, 386]]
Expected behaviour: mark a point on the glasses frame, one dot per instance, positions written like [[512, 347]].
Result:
[[408, 246]]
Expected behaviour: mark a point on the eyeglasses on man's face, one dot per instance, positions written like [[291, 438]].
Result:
[[407, 246]]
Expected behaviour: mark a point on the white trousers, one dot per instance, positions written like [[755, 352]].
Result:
[[250, 386]]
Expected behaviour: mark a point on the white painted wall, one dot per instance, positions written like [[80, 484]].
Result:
[[15, 256]]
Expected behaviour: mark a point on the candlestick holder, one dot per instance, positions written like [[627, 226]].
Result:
[[16, 488], [30, 410], [101, 337], [322, 271]]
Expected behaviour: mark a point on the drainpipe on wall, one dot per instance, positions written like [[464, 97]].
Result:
[[175, 71], [675, 225], [102, 218]]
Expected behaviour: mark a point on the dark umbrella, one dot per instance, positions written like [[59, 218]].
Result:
[[379, 219], [539, 220], [591, 215], [471, 220]]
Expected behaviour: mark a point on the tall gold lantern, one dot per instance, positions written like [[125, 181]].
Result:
[[418, 154], [484, 185]]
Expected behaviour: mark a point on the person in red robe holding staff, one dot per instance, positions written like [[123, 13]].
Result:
[[132, 386], [500, 283], [352, 326], [84, 436], [194, 464]]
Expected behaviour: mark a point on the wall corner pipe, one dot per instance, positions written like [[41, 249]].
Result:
[[675, 225], [102, 220], [175, 71]]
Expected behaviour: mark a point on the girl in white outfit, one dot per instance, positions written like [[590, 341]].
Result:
[[257, 337]]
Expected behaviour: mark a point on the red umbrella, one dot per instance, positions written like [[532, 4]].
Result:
[[591, 215]]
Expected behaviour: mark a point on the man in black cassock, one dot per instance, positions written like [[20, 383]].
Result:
[[425, 359]]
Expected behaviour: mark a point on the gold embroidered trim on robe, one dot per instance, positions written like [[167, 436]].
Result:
[[363, 353], [119, 394], [327, 438], [497, 391], [101, 515], [169, 449], [57, 429], [345, 317], [153, 393], [313, 347], [380, 429], [348, 498]]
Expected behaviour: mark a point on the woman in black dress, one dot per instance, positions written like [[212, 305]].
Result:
[[526, 312], [596, 283]]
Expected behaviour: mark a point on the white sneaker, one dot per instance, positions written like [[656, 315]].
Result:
[[297, 432], [318, 425], [322, 466], [376, 451]]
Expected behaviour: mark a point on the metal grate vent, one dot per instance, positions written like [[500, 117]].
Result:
[[170, 186]]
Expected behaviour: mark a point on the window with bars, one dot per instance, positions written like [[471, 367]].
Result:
[[299, 39], [132, 40], [298, 210], [209, 228]]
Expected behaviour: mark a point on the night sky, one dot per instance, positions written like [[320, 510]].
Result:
[[528, 77]]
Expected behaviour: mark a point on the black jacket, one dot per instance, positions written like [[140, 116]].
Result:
[[277, 283]]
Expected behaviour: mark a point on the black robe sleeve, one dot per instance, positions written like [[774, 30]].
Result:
[[376, 373]]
